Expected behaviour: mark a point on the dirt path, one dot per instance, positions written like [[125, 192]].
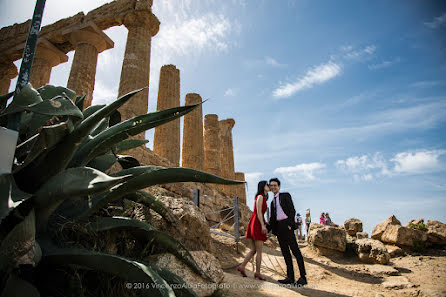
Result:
[[405, 276]]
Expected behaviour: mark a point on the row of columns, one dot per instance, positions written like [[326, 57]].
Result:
[[88, 41], [209, 149]]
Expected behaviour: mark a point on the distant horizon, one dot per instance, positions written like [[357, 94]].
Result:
[[344, 101]]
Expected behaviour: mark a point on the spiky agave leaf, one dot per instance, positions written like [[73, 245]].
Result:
[[119, 132], [152, 202], [69, 184], [49, 91], [17, 287], [149, 176], [10, 195], [57, 159], [128, 144], [148, 233], [133, 271]]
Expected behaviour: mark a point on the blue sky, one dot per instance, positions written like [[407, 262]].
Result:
[[344, 101]]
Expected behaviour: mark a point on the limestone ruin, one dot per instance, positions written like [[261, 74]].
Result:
[[210, 150]]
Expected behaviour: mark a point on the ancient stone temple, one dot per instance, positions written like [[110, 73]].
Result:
[[226, 152], [193, 144], [208, 147], [166, 142], [211, 144]]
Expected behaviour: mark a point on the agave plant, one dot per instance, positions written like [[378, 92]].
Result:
[[61, 176]]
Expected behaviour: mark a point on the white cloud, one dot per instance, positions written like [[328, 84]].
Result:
[[316, 75], [436, 22], [300, 173], [359, 54], [366, 168], [103, 94], [272, 62], [384, 64], [417, 162], [230, 92]]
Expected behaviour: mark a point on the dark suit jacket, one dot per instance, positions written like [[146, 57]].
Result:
[[286, 202]]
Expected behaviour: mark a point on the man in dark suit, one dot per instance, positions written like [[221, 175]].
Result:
[[282, 225]]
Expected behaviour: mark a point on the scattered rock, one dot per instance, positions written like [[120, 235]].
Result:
[[371, 251], [394, 250], [327, 237], [191, 230], [202, 287], [353, 226], [382, 270], [403, 236], [381, 227], [415, 222], [436, 232], [361, 235], [396, 282]]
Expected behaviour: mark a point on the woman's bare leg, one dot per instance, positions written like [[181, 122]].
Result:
[[259, 248], [249, 254]]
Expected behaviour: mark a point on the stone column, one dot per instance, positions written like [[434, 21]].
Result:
[[167, 137], [7, 72], [240, 190], [141, 25], [226, 153], [211, 144], [46, 57], [193, 144], [88, 41]]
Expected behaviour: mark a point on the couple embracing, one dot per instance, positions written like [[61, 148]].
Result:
[[281, 223]]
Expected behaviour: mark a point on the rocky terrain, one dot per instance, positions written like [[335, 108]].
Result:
[[395, 260]]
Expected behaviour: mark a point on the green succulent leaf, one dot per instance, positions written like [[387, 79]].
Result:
[[180, 287], [91, 110], [49, 92], [153, 175], [128, 144], [167, 243], [79, 101], [119, 132], [103, 162], [122, 223], [57, 159], [17, 287], [48, 137], [18, 242], [27, 96], [58, 106], [69, 184], [150, 201], [128, 162], [133, 271], [10, 195], [115, 118], [144, 231]]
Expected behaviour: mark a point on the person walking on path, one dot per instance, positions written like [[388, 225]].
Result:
[[322, 219], [308, 222], [298, 220], [282, 225], [256, 230]]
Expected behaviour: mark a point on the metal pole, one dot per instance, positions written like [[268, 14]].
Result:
[[27, 59], [236, 221], [196, 197]]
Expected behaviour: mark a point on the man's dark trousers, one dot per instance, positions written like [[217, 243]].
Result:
[[287, 241]]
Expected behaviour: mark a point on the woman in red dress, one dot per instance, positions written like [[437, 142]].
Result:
[[256, 230]]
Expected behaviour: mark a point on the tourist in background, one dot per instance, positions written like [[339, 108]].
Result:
[[328, 221], [298, 220], [256, 230], [322, 219], [308, 222]]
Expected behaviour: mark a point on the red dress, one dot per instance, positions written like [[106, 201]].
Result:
[[254, 229]]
